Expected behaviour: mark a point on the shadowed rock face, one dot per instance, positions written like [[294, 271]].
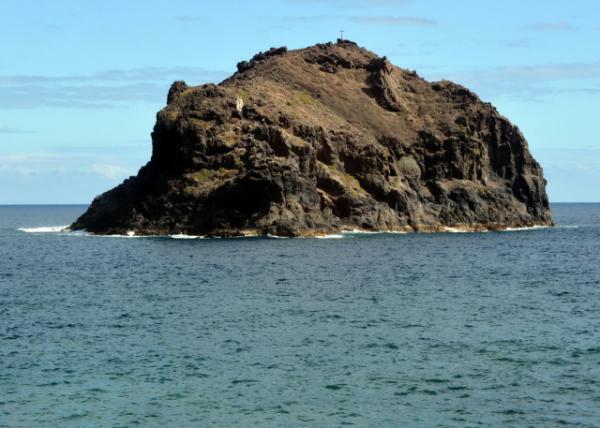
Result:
[[323, 139]]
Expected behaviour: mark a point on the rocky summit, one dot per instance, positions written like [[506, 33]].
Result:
[[321, 140]]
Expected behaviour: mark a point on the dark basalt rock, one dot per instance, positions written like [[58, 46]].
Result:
[[381, 84], [323, 139], [261, 56], [176, 88]]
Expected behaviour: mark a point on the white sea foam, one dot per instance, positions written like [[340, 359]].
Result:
[[128, 236], [454, 230], [184, 236], [77, 233], [332, 236], [44, 229], [343, 234], [372, 232], [522, 229], [358, 232]]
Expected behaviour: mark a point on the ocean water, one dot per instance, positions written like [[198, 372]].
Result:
[[367, 330]]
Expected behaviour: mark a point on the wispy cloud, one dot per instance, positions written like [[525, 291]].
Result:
[[115, 75], [521, 43], [64, 178], [278, 28], [10, 130], [312, 18], [111, 171], [415, 48], [585, 90], [191, 18], [103, 89], [550, 26], [530, 81], [30, 164], [395, 21], [543, 72]]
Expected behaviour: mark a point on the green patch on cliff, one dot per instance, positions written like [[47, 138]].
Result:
[[230, 138], [350, 183], [202, 175], [172, 114], [398, 184], [205, 125], [304, 98], [244, 94], [205, 174], [409, 167], [205, 180]]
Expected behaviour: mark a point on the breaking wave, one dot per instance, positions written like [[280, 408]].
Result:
[[44, 229], [522, 229], [343, 234]]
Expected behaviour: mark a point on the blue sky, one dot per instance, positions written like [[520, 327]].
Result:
[[81, 82]]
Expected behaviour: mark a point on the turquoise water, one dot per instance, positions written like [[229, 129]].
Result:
[[456, 329]]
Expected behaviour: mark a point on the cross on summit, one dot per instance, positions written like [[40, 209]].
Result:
[[342, 35]]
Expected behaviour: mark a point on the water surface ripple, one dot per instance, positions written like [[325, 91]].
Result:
[[454, 329]]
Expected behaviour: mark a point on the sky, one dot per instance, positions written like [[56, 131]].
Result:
[[81, 81]]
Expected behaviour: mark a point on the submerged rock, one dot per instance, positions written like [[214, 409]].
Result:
[[323, 139]]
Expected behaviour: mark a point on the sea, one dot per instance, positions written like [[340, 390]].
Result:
[[495, 329]]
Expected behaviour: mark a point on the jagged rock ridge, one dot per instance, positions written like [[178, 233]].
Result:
[[323, 139]]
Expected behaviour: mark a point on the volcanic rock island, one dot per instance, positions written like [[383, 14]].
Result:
[[321, 140]]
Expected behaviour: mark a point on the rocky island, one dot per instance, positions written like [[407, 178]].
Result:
[[321, 140]]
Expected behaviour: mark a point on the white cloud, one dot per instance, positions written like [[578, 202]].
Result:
[[36, 164], [103, 89], [12, 130], [395, 21], [529, 81], [112, 171], [550, 26], [312, 18]]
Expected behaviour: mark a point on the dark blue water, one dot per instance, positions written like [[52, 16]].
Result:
[[464, 329]]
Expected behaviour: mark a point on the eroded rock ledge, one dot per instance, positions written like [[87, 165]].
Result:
[[324, 139]]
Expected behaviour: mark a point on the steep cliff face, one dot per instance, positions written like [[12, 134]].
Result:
[[323, 139]]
